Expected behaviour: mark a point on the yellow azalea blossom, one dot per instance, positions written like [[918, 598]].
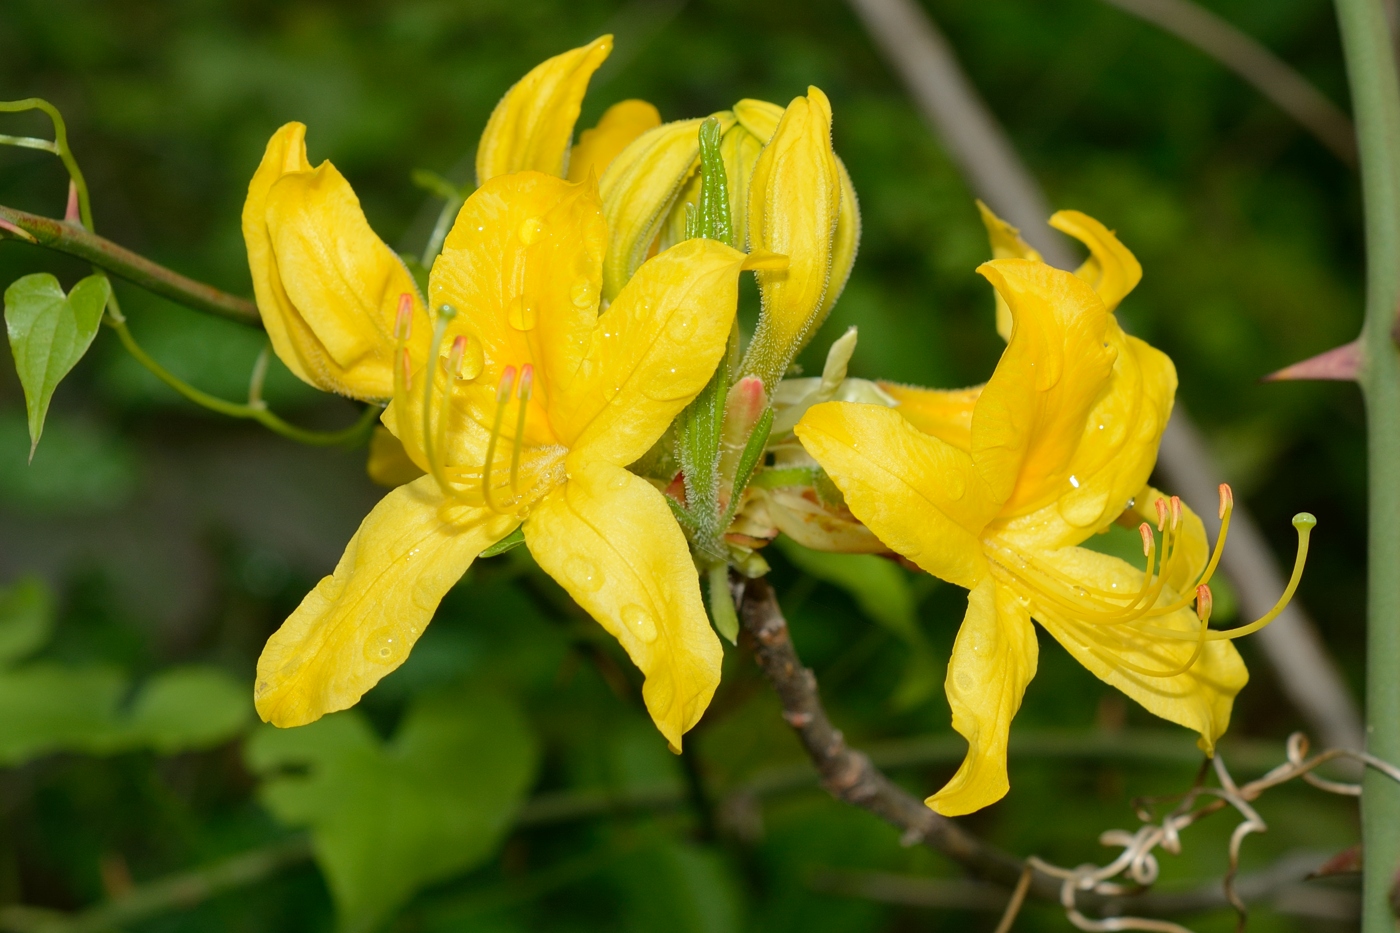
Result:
[[529, 418], [995, 488], [620, 124], [328, 288]]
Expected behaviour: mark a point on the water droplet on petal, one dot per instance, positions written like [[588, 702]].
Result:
[[681, 327], [584, 574], [582, 293], [964, 681], [619, 481], [530, 230], [386, 646], [1074, 481], [639, 622], [522, 314]]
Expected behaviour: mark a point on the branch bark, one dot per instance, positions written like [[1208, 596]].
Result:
[[914, 47], [120, 261]]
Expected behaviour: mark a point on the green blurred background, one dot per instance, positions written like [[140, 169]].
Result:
[[168, 539]]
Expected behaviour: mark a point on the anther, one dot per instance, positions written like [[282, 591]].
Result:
[[1227, 499], [1204, 602], [1176, 512], [527, 381], [506, 384], [1161, 505], [454, 358], [1148, 541], [403, 321]]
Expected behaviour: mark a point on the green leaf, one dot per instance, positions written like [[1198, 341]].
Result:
[[752, 454], [49, 332], [47, 708], [882, 592], [388, 818], [512, 540], [26, 619]]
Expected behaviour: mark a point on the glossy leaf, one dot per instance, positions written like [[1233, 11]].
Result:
[[49, 332]]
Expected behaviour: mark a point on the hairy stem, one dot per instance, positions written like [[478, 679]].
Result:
[[120, 261], [1375, 93]]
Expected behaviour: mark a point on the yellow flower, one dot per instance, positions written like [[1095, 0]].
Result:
[[995, 488], [530, 418], [329, 289]]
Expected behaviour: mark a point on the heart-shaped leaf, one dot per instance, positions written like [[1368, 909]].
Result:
[[388, 818], [49, 332]]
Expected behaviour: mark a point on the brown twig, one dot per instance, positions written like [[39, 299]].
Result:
[[75, 241], [1252, 61]]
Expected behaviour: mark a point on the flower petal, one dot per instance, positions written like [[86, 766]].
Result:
[[1032, 413], [639, 189], [652, 351], [1111, 268], [1199, 699], [531, 127], [994, 658], [621, 123], [609, 539], [389, 464], [360, 623], [794, 204], [327, 287], [1006, 244], [523, 266], [921, 496], [946, 414]]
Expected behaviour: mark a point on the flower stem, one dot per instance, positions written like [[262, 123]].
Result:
[[1375, 92]]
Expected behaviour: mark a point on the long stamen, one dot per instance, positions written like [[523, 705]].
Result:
[[403, 329], [502, 400], [1227, 509], [444, 316], [1304, 522], [438, 451], [527, 380], [1204, 603]]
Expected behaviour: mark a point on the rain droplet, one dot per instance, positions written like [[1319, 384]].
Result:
[[530, 230], [640, 622], [619, 481], [473, 359], [964, 681], [386, 646], [584, 574], [681, 327], [522, 314], [582, 293], [1074, 481]]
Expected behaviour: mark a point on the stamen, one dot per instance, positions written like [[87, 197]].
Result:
[[527, 380], [444, 419], [1161, 505], [502, 400], [1227, 509], [1205, 601], [1148, 541], [1304, 522], [403, 321], [1176, 512], [1227, 500], [434, 456]]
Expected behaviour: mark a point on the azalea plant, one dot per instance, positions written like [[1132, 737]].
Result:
[[565, 367]]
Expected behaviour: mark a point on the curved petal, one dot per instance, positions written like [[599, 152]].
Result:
[[759, 117], [921, 496], [621, 123], [1031, 416], [344, 282], [360, 623], [794, 204], [946, 414], [844, 245], [389, 464], [740, 149], [531, 127], [1111, 268], [1199, 699], [652, 352], [639, 189], [994, 658], [523, 266], [321, 277], [1117, 451], [1006, 244], [609, 539]]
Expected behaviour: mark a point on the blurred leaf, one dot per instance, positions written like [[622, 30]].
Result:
[[49, 332], [882, 592], [677, 887], [47, 708], [26, 619], [388, 818], [81, 470]]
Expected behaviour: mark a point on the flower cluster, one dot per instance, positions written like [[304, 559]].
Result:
[[574, 378]]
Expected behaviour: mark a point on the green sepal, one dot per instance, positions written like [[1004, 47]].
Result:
[[753, 453], [712, 212], [49, 332], [683, 516], [722, 604], [510, 541]]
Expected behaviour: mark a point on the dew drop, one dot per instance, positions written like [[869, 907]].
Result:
[[522, 314], [964, 681], [584, 574], [681, 327], [1074, 481], [386, 646], [619, 481], [582, 293], [473, 359], [530, 230], [640, 622]]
